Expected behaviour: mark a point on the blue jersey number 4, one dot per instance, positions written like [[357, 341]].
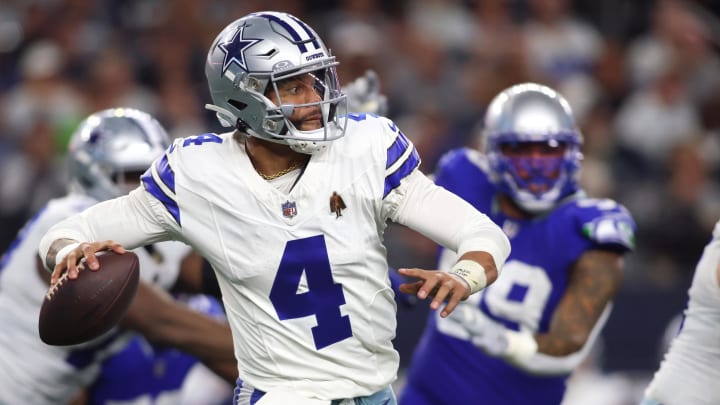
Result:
[[322, 297]]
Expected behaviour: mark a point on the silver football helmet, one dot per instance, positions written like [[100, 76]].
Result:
[[250, 56], [532, 113], [111, 146]]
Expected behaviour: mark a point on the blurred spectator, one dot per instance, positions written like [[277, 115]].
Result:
[[113, 83], [654, 119], [43, 92], [678, 218], [678, 35], [560, 45], [30, 177]]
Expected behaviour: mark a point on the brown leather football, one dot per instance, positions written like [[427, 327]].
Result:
[[76, 311]]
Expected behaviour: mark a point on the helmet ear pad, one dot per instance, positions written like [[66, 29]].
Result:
[[528, 114]]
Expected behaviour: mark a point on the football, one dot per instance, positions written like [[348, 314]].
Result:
[[75, 311]]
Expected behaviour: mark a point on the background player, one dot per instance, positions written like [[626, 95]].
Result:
[[148, 373], [689, 372], [290, 211], [518, 340], [107, 153]]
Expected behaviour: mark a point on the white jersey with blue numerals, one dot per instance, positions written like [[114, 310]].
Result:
[[305, 287], [690, 371], [32, 372], [524, 297]]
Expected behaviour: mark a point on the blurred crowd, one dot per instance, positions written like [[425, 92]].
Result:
[[643, 78]]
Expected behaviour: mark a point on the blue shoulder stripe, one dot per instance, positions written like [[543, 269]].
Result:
[[166, 173], [392, 181], [157, 179], [396, 150]]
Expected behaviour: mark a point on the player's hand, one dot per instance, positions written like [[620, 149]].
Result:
[[86, 250], [440, 285], [492, 337], [363, 95]]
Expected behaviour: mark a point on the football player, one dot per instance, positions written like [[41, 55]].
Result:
[[289, 207], [517, 341], [107, 154], [691, 368]]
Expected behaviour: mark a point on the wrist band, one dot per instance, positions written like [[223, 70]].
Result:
[[472, 272], [64, 252]]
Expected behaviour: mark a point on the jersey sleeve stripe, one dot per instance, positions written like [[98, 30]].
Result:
[[153, 182], [166, 173], [396, 150], [392, 181]]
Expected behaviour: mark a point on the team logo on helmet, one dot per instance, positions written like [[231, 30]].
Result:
[[234, 49]]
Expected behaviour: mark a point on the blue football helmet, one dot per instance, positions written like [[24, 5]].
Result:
[[109, 147], [250, 56], [532, 113]]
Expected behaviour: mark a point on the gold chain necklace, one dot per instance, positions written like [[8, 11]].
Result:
[[281, 172]]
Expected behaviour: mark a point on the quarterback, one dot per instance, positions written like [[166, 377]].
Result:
[[290, 207]]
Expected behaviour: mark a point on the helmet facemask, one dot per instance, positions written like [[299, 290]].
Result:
[[279, 122], [535, 174], [532, 146]]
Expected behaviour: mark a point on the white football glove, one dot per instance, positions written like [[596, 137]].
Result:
[[364, 96], [492, 337]]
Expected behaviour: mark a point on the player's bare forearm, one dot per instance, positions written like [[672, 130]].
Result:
[[162, 320], [594, 281], [225, 368]]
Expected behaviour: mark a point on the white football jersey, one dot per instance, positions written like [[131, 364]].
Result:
[[32, 372], [306, 288], [303, 274], [690, 371]]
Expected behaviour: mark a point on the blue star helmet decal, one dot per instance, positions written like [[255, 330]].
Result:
[[234, 49]]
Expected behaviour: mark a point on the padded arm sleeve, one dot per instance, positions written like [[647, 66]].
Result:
[[132, 220], [448, 220]]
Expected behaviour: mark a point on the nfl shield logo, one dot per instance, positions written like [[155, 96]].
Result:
[[289, 209]]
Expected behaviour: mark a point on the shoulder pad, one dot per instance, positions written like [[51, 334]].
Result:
[[605, 222]]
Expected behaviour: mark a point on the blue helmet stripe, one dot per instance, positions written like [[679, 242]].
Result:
[[295, 36], [307, 29], [392, 181], [396, 150], [152, 187]]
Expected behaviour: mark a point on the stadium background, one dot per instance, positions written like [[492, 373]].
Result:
[[642, 76]]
